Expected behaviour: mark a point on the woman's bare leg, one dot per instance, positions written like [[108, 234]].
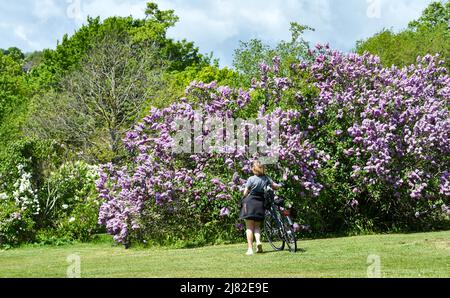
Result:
[[257, 232], [249, 232]]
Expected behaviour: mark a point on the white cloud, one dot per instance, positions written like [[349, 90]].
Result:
[[400, 13], [214, 25], [21, 33], [46, 9], [218, 25], [107, 8]]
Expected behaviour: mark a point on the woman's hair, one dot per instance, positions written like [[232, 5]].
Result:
[[258, 168]]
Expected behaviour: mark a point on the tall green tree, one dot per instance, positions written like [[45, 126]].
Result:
[[152, 31], [105, 76], [435, 15], [148, 32], [15, 53], [100, 100], [430, 34], [13, 99]]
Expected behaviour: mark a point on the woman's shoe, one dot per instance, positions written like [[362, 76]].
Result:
[[249, 252], [259, 248]]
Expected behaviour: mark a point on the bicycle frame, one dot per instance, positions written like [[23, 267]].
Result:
[[283, 228]]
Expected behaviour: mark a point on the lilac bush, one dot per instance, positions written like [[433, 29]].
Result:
[[352, 135], [400, 119], [386, 129], [204, 185]]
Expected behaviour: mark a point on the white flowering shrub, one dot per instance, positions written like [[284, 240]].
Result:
[[17, 209], [63, 208], [69, 202], [24, 165], [25, 196]]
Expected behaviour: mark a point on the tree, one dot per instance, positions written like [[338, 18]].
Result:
[[83, 62], [15, 53], [251, 53], [369, 152], [101, 99], [152, 30], [435, 15], [183, 54], [149, 32], [13, 95], [427, 35], [10, 83]]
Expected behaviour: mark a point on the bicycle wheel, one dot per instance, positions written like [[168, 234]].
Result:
[[273, 232], [289, 235]]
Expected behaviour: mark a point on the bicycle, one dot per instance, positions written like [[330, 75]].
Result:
[[279, 226]]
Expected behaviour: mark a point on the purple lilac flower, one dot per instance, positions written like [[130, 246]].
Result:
[[225, 211]]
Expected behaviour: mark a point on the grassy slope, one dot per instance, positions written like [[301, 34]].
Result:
[[410, 255]]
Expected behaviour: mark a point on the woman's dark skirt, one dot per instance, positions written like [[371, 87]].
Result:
[[253, 208]]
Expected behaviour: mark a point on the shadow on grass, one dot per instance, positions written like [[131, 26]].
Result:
[[299, 250]]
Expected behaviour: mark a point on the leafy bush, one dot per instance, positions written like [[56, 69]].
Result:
[[65, 208], [36, 157], [362, 148], [386, 132], [195, 189], [69, 202], [22, 169], [16, 225]]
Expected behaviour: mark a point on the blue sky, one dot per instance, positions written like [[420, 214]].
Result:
[[214, 25]]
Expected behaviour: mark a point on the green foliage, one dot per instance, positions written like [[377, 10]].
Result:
[[183, 54], [50, 238], [48, 120], [124, 58], [402, 49], [148, 32], [54, 116], [155, 25], [37, 158], [78, 225], [251, 53], [435, 15], [184, 227], [68, 205], [66, 187], [16, 225], [15, 53], [68, 202], [14, 93], [40, 157], [45, 124], [427, 35], [152, 32], [66, 56], [12, 87], [175, 83]]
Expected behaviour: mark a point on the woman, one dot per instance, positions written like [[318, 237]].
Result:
[[252, 210]]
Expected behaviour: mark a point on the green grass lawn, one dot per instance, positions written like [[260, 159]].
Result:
[[401, 255]]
